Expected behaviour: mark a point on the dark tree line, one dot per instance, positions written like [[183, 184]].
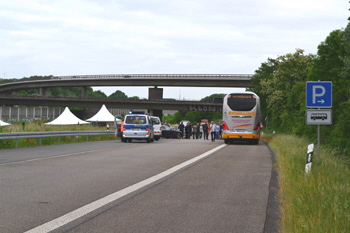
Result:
[[281, 84], [67, 91], [195, 117]]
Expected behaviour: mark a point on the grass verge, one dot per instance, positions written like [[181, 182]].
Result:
[[317, 202], [38, 126]]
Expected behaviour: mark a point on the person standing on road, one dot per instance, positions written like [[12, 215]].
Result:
[[195, 131], [181, 128], [188, 129], [197, 134], [212, 128], [218, 131], [200, 131], [205, 131]]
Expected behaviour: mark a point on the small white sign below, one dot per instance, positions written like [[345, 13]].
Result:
[[318, 117]]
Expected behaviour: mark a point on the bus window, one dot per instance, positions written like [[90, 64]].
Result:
[[241, 102]]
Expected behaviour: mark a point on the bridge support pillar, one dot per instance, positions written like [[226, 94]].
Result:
[[44, 91], [155, 94], [84, 91]]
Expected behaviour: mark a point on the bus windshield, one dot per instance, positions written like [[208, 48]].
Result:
[[241, 102]]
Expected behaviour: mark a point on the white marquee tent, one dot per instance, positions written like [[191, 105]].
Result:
[[67, 118], [3, 123], [103, 115]]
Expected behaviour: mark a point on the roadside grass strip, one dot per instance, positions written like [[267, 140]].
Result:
[[317, 202]]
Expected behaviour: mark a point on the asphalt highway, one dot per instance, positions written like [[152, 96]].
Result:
[[166, 186]]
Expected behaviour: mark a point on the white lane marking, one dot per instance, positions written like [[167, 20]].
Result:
[[80, 212]]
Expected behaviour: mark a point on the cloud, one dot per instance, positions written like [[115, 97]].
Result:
[[62, 37]]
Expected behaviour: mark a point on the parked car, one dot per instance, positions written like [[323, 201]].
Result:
[[168, 132], [156, 127]]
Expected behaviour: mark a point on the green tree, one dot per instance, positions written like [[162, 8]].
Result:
[[194, 116], [28, 92], [263, 74], [118, 95], [95, 94], [280, 83], [61, 92], [340, 132], [327, 66], [66, 92], [329, 63], [211, 97], [179, 116]]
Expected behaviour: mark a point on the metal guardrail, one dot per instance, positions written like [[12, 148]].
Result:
[[39, 135], [122, 76], [150, 76]]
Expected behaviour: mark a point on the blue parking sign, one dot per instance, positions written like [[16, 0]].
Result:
[[319, 94]]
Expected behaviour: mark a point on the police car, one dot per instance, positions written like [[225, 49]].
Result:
[[137, 126]]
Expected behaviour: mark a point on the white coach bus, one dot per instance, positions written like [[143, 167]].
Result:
[[242, 115]]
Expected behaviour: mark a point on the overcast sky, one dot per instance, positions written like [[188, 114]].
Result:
[[85, 37]]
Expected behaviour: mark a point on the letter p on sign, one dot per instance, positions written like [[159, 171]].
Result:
[[316, 93]]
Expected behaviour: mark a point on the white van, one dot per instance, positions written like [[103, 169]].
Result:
[[156, 127]]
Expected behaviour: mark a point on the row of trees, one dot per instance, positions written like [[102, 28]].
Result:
[[68, 91], [195, 117], [281, 82]]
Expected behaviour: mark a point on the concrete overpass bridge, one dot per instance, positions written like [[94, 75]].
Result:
[[153, 81], [156, 80], [111, 103]]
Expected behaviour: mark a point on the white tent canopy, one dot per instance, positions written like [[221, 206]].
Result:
[[103, 115], [3, 123], [67, 118]]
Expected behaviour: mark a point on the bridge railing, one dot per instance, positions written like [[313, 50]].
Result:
[[58, 134], [170, 76]]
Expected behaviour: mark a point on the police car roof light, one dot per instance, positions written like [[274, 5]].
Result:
[[138, 112]]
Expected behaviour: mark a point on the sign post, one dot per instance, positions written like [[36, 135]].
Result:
[[319, 95]]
